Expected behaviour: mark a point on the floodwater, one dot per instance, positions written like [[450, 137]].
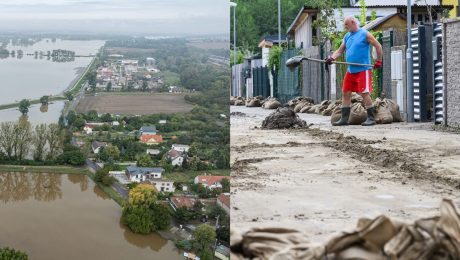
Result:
[[37, 113], [34, 76], [67, 216]]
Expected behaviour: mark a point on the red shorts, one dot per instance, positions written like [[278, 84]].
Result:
[[360, 82]]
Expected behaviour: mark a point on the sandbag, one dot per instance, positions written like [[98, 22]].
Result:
[[336, 114], [300, 105], [382, 112], [394, 109], [253, 102], [330, 108], [305, 108], [356, 98], [313, 109], [272, 104], [358, 114]]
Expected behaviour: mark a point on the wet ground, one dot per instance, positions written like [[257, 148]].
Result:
[[322, 179]]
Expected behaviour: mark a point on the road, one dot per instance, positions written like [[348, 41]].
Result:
[[324, 179]]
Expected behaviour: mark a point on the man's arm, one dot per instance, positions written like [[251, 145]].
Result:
[[339, 51], [336, 54], [371, 39]]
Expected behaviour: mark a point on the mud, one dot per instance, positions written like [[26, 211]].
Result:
[[283, 118], [321, 179]]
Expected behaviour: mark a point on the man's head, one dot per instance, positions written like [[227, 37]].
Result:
[[351, 24]]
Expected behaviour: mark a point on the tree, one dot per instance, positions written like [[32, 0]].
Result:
[[144, 160], [143, 195], [145, 85], [69, 96], [10, 253], [109, 153], [24, 106], [92, 115], [39, 138], [162, 215], [54, 136], [7, 139], [139, 219], [71, 117], [22, 139], [225, 185], [203, 237], [108, 87], [44, 100]]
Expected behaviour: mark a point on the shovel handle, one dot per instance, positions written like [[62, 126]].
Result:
[[342, 62]]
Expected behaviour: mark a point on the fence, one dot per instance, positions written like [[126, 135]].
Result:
[[312, 84], [237, 80], [288, 86], [260, 82]]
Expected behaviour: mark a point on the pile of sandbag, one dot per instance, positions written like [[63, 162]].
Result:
[[254, 101], [358, 114], [386, 111], [283, 118], [271, 103], [381, 238], [328, 111], [237, 101], [296, 101]]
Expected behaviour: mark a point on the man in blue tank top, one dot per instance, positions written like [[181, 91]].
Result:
[[356, 44]]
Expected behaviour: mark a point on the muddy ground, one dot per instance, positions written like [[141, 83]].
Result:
[[134, 103], [322, 179]]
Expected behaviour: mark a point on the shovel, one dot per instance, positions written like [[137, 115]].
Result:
[[293, 62]]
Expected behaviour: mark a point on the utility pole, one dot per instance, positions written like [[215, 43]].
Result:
[[409, 62], [279, 22]]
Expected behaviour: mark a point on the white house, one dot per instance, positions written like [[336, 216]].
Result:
[[96, 146], [209, 181], [141, 174], [176, 157], [180, 147], [152, 152], [163, 185]]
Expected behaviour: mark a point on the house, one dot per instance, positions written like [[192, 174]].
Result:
[[89, 127], [393, 21], [120, 176], [224, 201], [176, 157], [96, 146], [151, 130], [151, 139], [210, 181], [389, 7], [163, 185], [301, 29], [141, 174], [153, 152], [266, 43], [180, 147], [162, 122], [115, 123], [182, 201]]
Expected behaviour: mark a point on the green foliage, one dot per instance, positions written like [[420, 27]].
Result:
[[274, 57], [44, 100], [75, 158], [225, 185], [239, 57], [69, 96], [144, 160], [7, 253], [203, 237], [139, 219], [324, 22], [24, 106], [373, 15], [108, 87], [362, 11], [109, 153], [184, 244], [100, 174], [162, 215]]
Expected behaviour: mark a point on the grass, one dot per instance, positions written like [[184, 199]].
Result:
[[78, 85], [189, 176], [32, 102]]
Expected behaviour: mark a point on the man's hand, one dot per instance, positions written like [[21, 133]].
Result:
[[329, 60], [378, 64]]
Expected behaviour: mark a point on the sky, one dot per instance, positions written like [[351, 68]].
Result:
[[146, 17]]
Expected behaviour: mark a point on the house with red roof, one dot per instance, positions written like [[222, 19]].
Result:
[[224, 201], [210, 181], [151, 139], [177, 202]]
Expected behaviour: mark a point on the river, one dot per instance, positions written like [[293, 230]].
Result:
[[67, 216]]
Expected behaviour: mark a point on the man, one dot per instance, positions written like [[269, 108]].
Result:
[[358, 79]]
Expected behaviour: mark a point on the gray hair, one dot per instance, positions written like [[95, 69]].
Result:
[[351, 17]]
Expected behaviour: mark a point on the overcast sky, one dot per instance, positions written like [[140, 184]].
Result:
[[165, 17]]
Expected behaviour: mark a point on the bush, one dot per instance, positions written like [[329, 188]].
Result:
[[139, 219], [7, 253], [75, 158], [107, 180], [184, 244]]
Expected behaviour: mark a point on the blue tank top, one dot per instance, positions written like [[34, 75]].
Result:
[[357, 50]]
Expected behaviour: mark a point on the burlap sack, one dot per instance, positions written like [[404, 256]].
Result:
[[358, 114], [306, 108], [356, 98], [272, 104], [239, 102], [328, 111], [300, 105], [382, 112], [394, 109], [253, 102], [336, 114], [313, 109]]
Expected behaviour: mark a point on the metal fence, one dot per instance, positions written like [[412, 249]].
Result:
[[288, 86], [260, 82], [237, 80], [311, 75]]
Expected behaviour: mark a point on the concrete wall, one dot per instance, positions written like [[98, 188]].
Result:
[[451, 59]]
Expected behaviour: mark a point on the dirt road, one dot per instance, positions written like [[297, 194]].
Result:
[[323, 179]]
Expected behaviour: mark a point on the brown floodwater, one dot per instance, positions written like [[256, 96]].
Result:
[[60, 216]]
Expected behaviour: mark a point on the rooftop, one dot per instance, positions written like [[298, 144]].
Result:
[[132, 169]]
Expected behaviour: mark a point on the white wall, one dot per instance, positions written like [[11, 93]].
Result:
[[303, 33], [355, 11]]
